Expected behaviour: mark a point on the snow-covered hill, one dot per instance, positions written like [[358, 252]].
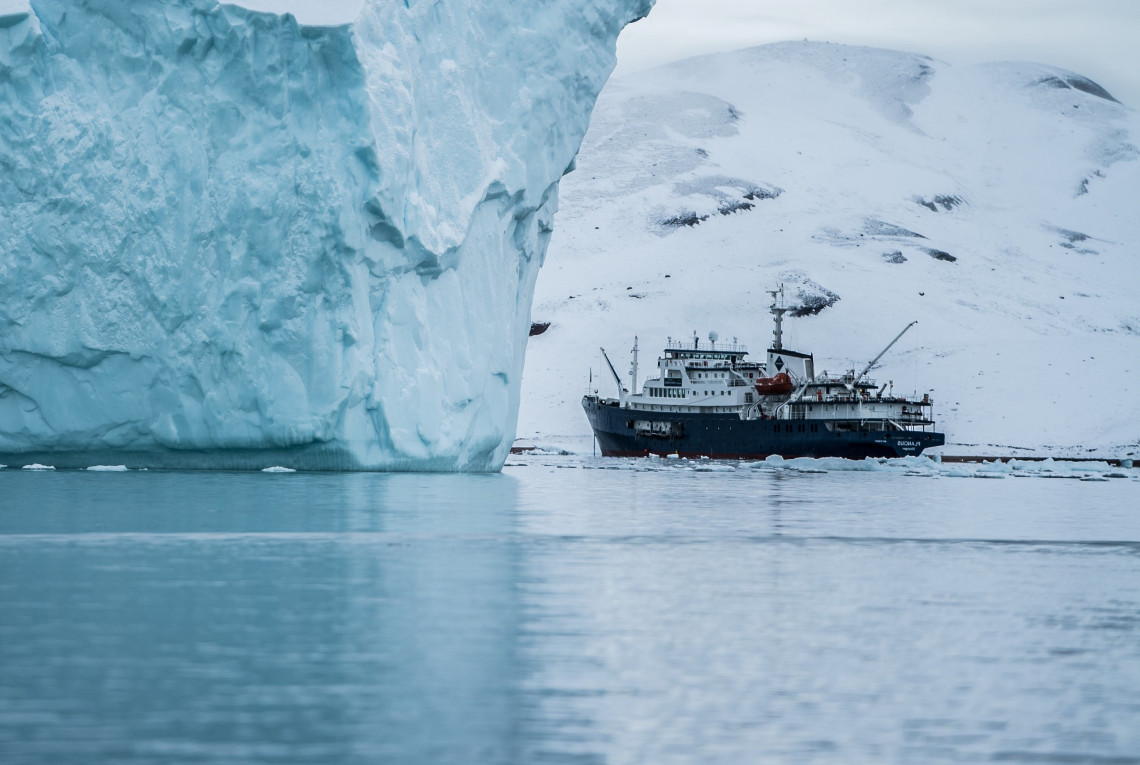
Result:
[[995, 204]]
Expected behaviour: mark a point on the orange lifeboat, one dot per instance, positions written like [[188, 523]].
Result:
[[772, 386]]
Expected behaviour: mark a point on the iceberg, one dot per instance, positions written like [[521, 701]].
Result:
[[229, 240]]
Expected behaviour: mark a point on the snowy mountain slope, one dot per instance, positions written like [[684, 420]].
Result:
[[995, 204]]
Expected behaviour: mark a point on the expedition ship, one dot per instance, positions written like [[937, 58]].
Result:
[[708, 400]]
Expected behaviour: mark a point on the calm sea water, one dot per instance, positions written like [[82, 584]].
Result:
[[563, 613]]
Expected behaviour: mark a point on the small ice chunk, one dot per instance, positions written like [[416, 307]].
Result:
[[38, 466], [107, 469], [278, 469]]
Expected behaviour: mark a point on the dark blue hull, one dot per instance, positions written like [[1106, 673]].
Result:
[[637, 433]]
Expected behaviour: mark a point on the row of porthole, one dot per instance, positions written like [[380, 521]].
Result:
[[788, 428]]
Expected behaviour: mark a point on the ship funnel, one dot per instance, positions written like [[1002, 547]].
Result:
[[778, 310]]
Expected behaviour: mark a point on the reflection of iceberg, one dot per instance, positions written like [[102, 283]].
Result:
[[232, 241], [370, 618]]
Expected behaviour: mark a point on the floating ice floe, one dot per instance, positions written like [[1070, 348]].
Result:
[[38, 466], [921, 467], [928, 467], [278, 469], [107, 469], [713, 467]]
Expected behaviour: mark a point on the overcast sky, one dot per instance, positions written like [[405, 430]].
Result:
[[1097, 38]]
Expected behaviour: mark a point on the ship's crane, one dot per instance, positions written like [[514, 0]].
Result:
[[851, 385], [621, 388]]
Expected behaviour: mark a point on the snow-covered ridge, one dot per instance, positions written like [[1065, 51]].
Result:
[[993, 203], [230, 240]]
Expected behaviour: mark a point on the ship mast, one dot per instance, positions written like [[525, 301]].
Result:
[[633, 367], [778, 310]]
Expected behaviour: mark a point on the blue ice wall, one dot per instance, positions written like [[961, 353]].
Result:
[[231, 241]]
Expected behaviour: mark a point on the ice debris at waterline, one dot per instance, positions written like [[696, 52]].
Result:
[[926, 466], [229, 240], [912, 466]]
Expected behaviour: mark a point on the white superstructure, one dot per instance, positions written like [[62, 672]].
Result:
[[698, 376]]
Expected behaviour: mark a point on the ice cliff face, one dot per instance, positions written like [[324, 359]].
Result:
[[231, 241]]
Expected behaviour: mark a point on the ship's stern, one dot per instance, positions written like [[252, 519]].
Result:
[[914, 443]]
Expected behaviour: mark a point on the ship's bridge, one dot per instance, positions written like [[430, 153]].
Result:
[[700, 349], [685, 364]]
